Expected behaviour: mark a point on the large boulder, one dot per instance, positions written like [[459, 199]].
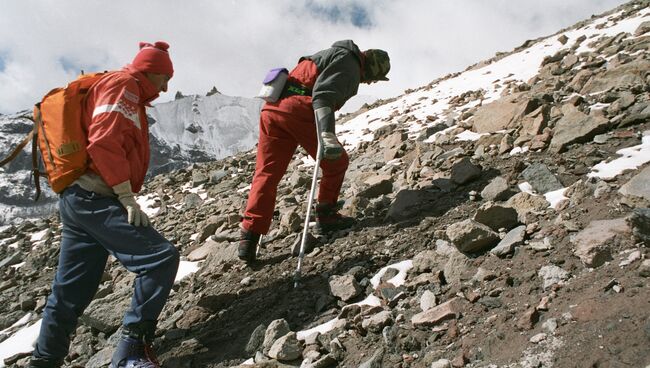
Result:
[[594, 244], [500, 114], [576, 127], [625, 75]]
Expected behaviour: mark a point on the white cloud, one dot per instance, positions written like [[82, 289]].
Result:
[[231, 44]]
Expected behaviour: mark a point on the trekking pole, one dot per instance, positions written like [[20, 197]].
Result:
[[303, 241], [258, 246]]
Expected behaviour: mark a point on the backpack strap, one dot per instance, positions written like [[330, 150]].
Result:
[[18, 148], [36, 173]]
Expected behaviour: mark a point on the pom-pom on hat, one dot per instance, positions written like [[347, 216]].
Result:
[[154, 59]]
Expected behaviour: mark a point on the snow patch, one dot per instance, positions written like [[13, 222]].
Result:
[[20, 342], [632, 158], [186, 268]]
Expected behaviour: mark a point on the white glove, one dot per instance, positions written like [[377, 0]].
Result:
[[332, 149], [125, 195]]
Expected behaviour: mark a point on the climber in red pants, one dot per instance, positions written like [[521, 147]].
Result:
[[319, 85]]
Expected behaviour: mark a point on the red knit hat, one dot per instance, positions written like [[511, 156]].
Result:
[[154, 59]]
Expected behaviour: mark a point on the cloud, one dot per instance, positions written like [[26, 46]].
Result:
[[231, 44]]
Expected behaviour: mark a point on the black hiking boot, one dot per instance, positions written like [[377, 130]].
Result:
[[247, 250], [44, 363], [328, 219], [134, 349]]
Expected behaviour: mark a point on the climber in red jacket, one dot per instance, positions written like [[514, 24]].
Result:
[[101, 217], [318, 86]]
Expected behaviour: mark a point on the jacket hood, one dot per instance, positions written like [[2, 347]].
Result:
[[350, 45]]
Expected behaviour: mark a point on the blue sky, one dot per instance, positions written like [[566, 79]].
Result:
[[231, 44]]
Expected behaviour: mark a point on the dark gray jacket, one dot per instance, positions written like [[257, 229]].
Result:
[[339, 74]]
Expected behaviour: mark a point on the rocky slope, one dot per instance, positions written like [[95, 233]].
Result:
[[503, 221]]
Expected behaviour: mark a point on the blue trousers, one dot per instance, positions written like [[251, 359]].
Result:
[[95, 226]]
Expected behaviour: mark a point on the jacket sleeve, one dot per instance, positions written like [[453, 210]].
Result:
[[113, 117], [337, 82]]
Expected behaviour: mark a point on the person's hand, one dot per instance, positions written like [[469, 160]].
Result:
[[330, 146], [135, 215]]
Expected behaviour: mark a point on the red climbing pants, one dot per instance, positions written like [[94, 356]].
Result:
[[280, 135]]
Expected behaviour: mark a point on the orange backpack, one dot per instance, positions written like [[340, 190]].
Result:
[[60, 134]]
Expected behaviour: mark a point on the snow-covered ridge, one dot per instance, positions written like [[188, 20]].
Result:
[[216, 125], [492, 79]]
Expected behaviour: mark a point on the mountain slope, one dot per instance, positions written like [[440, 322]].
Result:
[[502, 222]]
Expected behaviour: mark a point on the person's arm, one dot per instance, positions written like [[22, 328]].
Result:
[[114, 116], [336, 83]]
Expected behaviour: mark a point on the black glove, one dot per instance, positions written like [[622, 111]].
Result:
[[331, 148]]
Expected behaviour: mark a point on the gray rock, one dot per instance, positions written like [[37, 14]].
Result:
[[344, 287], [11, 260], [497, 190], [640, 223], [642, 28], [442, 363], [637, 190], [458, 268], [103, 357], [513, 239], [594, 244], [256, 341], [192, 200], [464, 171], [470, 236], [376, 185], [552, 275], [427, 260], [298, 180], [276, 329], [500, 114], [203, 251], [431, 130], [101, 314], [447, 310], [496, 216], [217, 175], [623, 76], [310, 244], [644, 268], [290, 219], [525, 203], [378, 321], [541, 178], [428, 300], [394, 140], [637, 114], [576, 127], [198, 178], [211, 225], [327, 361], [409, 202], [220, 253], [286, 347]]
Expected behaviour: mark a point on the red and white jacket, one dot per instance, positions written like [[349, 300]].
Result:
[[116, 122]]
